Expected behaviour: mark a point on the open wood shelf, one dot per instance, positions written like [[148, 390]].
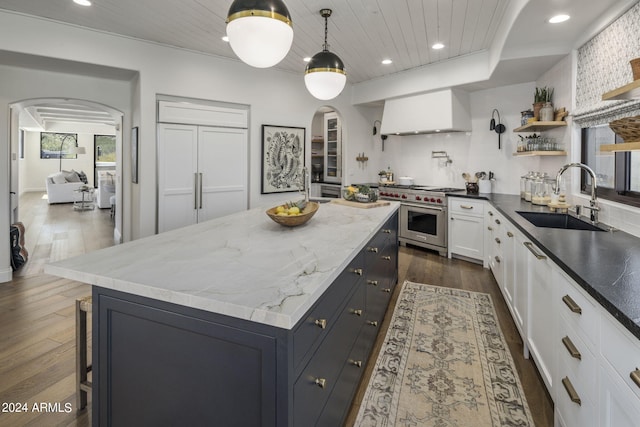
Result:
[[625, 146], [539, 126], [540, 153], [630, 91]]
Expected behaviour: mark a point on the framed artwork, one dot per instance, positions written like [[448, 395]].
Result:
[[282, 159], [134, 155]]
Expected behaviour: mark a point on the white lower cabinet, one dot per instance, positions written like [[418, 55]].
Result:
[[466, 236], [540, 315], [588, 361]]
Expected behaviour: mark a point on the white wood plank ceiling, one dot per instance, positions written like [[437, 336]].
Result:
[[361, 32]]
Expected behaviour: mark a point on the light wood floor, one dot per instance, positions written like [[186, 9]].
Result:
[[37, 314]]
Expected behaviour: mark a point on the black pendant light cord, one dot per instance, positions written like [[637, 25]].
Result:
[[326, 13]]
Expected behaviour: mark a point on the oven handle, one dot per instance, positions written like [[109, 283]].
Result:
[[431, 208]]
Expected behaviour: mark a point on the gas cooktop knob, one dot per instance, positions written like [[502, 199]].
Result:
[[418, 198], [432, 200], [396, 195], [404, 196], [439, 201]]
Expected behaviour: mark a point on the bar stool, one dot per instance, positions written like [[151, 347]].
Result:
[[83, 386]]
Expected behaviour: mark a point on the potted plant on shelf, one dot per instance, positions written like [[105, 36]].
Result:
[[382, 176], [541, 97]]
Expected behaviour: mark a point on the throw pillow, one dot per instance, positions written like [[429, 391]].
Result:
[[72, 176], [59, 178]]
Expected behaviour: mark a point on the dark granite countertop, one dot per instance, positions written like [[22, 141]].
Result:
[[605, 264]]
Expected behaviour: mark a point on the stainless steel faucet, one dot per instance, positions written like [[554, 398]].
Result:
[[593, 203]]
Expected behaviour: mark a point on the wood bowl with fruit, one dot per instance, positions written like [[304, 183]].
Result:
[[292, 214]]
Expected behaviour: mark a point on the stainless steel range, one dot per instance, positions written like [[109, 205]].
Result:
[[423, 214]]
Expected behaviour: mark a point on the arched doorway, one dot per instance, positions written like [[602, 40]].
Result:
[[64, 115]]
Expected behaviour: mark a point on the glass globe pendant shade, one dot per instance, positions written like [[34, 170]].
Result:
[[260, 31], [325, 76]]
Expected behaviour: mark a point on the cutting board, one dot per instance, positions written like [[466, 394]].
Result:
[[358, 204]]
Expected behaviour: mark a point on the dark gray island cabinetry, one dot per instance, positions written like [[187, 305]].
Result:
[[199, 352]]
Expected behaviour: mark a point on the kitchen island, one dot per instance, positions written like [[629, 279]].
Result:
[[238, 320]]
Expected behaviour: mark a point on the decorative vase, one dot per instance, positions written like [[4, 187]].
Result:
[[546, 112], [536, 109]]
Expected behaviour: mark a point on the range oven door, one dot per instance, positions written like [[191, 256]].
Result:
[[426, 225]]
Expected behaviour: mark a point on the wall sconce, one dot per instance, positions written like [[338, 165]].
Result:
[[499, 127]]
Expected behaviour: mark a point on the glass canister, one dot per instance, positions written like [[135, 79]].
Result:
[[523, 185], [539, 194], [531, 177]]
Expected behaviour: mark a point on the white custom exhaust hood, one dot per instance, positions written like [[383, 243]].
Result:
[[442, 111]]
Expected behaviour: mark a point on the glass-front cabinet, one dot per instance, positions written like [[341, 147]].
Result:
[[333, 148]]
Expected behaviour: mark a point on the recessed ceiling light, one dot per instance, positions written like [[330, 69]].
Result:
[[437, 46], [82, 2], [225, 39], [558, 18], [386, 61], [306, 59]]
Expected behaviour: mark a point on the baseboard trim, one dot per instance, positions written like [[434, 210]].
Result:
[[6, 275]]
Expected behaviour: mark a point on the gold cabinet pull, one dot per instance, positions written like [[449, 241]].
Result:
[[321, 382], [386, 258], [510, 234], [372, 282], [571, 348], [374, 250], [387, 290], [569, 302], [322, 323], [372, 323], [357, 363], [358, 271], [573, 395], [497, 240], [489, 228], [498, 221], [466, 207], [635, 376], [386, 231], [497, 259], [357, 312], [490, 213], [529, 246]]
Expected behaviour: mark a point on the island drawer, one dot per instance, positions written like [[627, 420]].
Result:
[[322, 316], [317, 381]]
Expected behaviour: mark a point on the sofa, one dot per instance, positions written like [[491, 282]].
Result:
[[61, 186], [106, 188]]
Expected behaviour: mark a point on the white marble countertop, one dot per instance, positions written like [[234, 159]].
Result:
[[243, 265]]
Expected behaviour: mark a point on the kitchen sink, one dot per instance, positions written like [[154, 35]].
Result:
[[558, 220]]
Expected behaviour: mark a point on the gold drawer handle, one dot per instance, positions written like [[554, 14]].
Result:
[[358, 271], [573, 395], [372, 323], [357, 312], [321, 322], [489, 228], [498, 221], [635, 376], [374, 250], [571, 348], [372, 282], [466, 207], [321, 382], [387, 290], [490, 213], [386, 258], [387, 231], [497, 240], [529, 246], [569, 302], [510, 234], [497, 260], [357, 363]]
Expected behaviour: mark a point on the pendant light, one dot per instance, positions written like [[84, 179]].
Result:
[[325, 75], [260, 31]]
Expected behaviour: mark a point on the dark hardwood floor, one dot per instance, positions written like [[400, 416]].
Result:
[[37, 315]]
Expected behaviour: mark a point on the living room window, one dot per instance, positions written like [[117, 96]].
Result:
[[105, 148], [58, 145], [617, 174]]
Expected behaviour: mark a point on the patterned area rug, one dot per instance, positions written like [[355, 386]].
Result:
[[444, 363]]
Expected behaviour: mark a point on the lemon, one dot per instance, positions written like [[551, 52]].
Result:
[[294, 210], [280, 209]]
